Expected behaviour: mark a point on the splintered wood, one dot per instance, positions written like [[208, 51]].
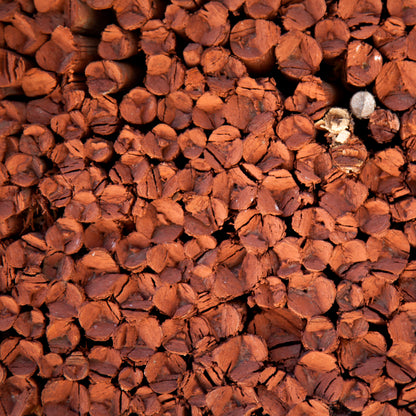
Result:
[[191, 221]]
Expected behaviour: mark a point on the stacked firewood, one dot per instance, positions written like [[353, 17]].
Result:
[[178, 233]]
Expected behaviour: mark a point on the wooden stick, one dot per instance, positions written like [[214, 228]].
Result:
[[138, 106], [100, 4], [83, 19], [24, 35], [117, 43], [261, 9], [300, 16], [12, 68], [332, 35], [363, 64], [383, 125], [163, 74], [361, 17], [156, 39], [44, 6], [391, 40], [66, 52], [253, 41], [176, 110], [133, 14], [209, 26], [108, 77], [404, 10], [37, 82], [176, 18], [292, 58], [394, 86]]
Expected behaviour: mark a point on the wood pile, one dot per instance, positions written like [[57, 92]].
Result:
[[192, 222]]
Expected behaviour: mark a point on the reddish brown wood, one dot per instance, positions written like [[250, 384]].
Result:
[[101, 114], [63, 336], [104, 363], [252, 41], [9, 312], [164, 74], [349, 157], [130, 378], [209, 26], [19, 396], [37, 82], [24, 35], [176, 18], [319, 334], [133, 14], [352, 324], [44, 6], [117, 43], [24, 170], [70, 126], [81, 18], [362, 16], [363, 64], [194, 83], [301, 15], [66, 51], [21, 356], [1, 35], [99, 319], [176, 110], [391, 40], [207, 112], [355, 395], [30, 324], [258, 9], [192, 54], [411, 51], [100, 4], [65, 395], [138, 106], [13, 67], [394, 85], [303, 298], [383, 125], [49, 21], [403, 9], [109, 77], [312, 97], [296, 131], [156, 39], [269, 264], [298, 54], [332, 35]]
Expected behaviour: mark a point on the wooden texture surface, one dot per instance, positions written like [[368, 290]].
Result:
[[191, 221]]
